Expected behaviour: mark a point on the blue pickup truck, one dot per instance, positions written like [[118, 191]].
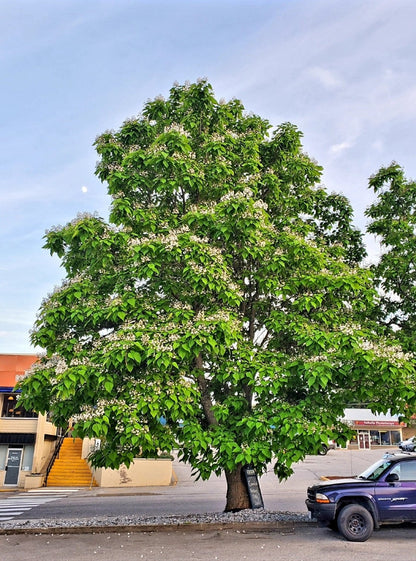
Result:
[[385, 493]]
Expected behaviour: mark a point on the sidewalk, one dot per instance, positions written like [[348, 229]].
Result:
[[288, 496]]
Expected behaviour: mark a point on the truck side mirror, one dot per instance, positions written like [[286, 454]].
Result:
[[392, 477]]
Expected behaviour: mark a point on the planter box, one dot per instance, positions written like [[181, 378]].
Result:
[[141, 473], [34, 481]]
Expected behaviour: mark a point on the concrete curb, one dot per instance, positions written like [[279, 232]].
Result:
[[242, 527]]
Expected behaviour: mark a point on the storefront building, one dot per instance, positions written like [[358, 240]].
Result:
[[26, 438], [28, 441], [373, 430]]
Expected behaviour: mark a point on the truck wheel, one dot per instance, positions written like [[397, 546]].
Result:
[[355, 523]]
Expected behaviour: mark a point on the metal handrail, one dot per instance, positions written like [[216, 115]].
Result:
[[55, 454]]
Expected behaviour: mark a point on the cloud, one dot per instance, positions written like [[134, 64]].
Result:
[[325, 77], [341, 147]]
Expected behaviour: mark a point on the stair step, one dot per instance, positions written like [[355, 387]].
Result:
[[69, 468]]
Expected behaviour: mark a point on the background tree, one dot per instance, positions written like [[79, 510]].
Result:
[[223, 296], [393, 219]]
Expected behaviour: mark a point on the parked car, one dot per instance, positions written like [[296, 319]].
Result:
[[325, 446], [383, 494], [408, 445]]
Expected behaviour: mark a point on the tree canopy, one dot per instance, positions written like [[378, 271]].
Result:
[[224, 297], [393, 220]]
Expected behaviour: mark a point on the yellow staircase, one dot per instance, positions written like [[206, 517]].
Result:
[[70, 469]]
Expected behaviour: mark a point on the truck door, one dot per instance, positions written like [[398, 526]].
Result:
[[396, 500]]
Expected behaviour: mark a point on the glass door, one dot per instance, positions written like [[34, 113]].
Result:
[[363, 439], [14, 458]]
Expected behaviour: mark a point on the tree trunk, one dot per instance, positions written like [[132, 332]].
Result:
[[237, 495]]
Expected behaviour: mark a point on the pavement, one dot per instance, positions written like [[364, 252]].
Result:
[[288, 495], [191, 497]]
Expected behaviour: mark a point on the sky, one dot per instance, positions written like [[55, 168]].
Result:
[[343, 71]]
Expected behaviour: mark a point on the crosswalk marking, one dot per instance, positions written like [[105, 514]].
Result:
[[20, 503]]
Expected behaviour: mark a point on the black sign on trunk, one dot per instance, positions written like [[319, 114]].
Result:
[[253, 487]]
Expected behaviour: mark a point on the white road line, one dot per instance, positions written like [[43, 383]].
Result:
[[53, 490], [19, 504], [14, 507], [16, 512]]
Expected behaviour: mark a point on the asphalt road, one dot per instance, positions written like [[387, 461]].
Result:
[[300, 543], [189, 496], [192, 497], [303, 544]]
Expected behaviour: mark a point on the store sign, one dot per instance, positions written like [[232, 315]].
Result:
[[379, 423]]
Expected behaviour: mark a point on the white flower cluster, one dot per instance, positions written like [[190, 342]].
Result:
[[251, 177], [317, 358], [114, 167], [304, 240], [262, 243], [180, 156], [220, 274], [156, 149], [134, 148], [246, 193], [169, 240], [39, 366], [347, 272], [176, 127], [160, 343], [220, 315], [163, 340], [217, 137], [198, 239], [161, 388], [83, 361], [90, 412], [197, 268], [61, 366], [392, 353], [350, 328], [113, 300], [143, 259], [205, 209], [259, 204], [80, 217], [181, 306]]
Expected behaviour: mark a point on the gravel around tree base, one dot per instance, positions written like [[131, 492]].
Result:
[[244, 516]]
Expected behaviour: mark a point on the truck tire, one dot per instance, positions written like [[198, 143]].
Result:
[[355, 523]]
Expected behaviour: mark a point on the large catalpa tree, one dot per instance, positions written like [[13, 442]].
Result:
[[223, 297]]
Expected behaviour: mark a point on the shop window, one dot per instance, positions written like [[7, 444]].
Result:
[[375, 437], [11, 407], [385, 437], [395, 436], [27, 460], [3, 455]]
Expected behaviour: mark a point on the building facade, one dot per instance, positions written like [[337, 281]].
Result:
[[27, 439], [372, 431]]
